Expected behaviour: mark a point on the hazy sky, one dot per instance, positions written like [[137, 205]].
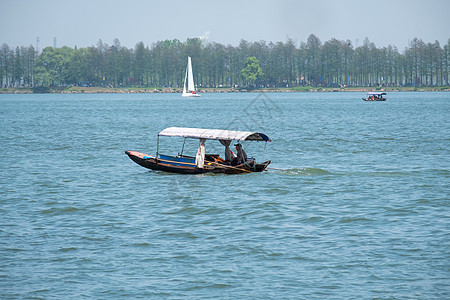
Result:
[[82, 23]]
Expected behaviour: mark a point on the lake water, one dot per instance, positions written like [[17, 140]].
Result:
[[359, 208]]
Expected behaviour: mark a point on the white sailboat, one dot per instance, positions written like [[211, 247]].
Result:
[[189, 90]]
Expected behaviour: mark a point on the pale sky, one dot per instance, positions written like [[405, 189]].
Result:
[[82, 23]]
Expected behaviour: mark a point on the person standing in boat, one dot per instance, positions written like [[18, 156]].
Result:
[[241, 156]]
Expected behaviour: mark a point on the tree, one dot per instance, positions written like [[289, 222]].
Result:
[[163, 64], [29, 55], [5, 64], [252, 71], [313, 65], [446, 63], [140, 63]]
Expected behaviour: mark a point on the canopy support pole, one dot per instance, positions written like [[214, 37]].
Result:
[[264, 153], [182, 149], [157, 147]]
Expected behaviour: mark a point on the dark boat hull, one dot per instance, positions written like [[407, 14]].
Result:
[[376, 99], [185, 166]]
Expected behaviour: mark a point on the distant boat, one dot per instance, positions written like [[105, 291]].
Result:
[[189, 90], [375, 96]]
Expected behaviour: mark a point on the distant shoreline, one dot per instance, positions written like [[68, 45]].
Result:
[[103, 90]]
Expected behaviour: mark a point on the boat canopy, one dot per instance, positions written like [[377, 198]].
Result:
[[376, 93], [214, 134]]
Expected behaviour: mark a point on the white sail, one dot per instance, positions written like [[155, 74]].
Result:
[[189, 91], [191, 86], [184, 84]]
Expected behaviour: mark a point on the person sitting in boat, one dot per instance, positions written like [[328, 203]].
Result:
[[229, 155], [241, 156]]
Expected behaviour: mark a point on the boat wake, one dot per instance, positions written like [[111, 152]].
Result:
[[322, 172], [302, 171]]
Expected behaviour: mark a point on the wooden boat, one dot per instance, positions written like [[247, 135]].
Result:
[[202, 162], [375, 96]]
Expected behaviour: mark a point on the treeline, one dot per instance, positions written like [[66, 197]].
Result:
[[332, 63]]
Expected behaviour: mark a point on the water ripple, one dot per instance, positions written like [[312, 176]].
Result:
[[343, 213]]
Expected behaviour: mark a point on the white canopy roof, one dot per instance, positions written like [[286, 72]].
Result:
[[214, 134]]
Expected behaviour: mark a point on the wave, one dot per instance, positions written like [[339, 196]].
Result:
[[303, 171], [388, 173]]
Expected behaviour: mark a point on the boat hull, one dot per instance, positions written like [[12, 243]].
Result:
[[190, 95], [368, 99], [185, 166]]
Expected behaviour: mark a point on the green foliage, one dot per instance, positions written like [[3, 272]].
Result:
[[334, 64], [252, 71], [41, 89], [302, 88], [53, 66]]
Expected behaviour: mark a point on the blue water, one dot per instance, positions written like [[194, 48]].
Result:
[[356, 205]]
